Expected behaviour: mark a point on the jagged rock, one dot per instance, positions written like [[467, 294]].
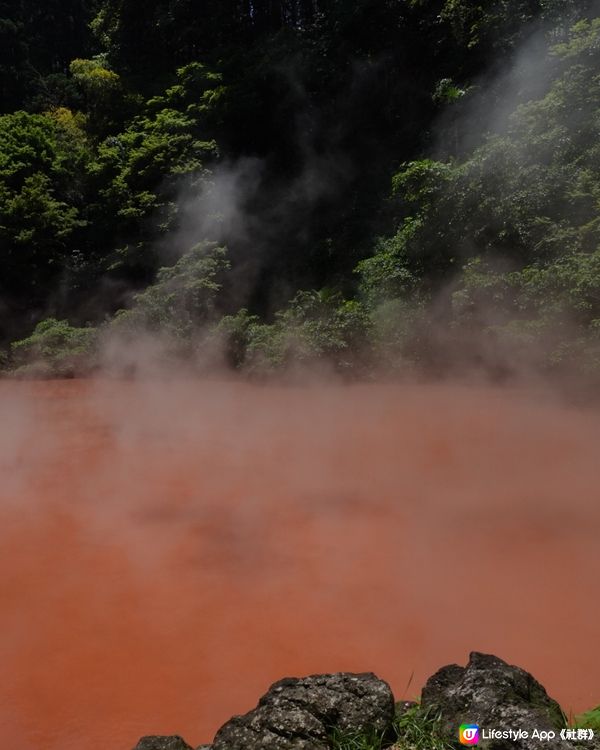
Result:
[[495, 695], [162, 743], [299, 714]]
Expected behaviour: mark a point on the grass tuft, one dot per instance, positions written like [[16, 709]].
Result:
[[414, 729], [420, 729], [589, 720], [368, 739]]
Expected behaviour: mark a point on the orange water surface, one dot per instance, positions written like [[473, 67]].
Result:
[[169, 549]]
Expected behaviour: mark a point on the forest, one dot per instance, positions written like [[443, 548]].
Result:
[[374, 186]]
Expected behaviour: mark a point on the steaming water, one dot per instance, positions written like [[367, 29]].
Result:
[[169, 550]]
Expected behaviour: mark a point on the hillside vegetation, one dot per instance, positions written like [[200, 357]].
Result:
[[378, 185]]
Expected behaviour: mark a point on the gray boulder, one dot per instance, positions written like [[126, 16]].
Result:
[[299, 714], [496, 696], [156, 742]]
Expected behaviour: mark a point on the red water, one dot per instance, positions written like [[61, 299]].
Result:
[[169, 550]]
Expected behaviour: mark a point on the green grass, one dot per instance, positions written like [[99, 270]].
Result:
[[368, 739], [420, 729], [415, 729], [589, 720]]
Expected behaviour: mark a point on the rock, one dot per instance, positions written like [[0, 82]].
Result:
[[299, 714], [162, 743], [491, 693]]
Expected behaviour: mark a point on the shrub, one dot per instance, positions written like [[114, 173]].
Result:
[[54, 349], [183, 297]]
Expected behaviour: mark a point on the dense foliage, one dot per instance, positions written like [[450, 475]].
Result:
[[374, 184]]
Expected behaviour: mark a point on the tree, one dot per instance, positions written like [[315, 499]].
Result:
[[139, 173], [40, 207], [37, 43], [183, 299]]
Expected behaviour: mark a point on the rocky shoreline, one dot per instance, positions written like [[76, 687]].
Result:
[[321, 712]]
